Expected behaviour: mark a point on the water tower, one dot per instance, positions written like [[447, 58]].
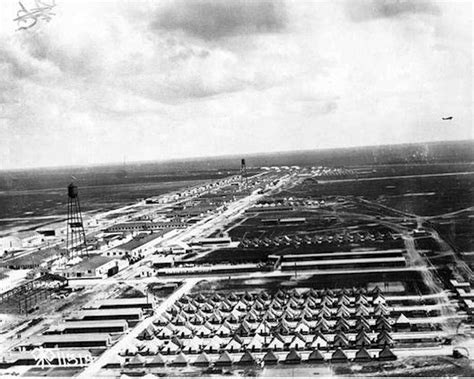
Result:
[[243, 172], [76, 236]]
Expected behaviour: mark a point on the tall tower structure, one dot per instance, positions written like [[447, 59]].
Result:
[[243, 172], [76, 237]]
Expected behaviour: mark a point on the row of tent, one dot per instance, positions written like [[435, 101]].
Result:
[[275, 314], [287, 319], [281, 294], [270, 202], [288, 240], [147, 343], [180, 326], [280, 301], [329, 171], [284, 313], [293, 314], [245, 328], [247, 358]]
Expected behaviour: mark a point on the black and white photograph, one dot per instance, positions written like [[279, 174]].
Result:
[[236, 188]]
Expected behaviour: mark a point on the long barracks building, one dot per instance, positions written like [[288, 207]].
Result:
[[144, 226]]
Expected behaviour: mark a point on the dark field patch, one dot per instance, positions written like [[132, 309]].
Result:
[[236, 256], [130, 292], [458, 233], [255, 255], [418, 169], [412, 283], [425, 196]]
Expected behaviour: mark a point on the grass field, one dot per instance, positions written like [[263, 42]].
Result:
[[425, 196], [409, 283], [260, 254], [458, 232]]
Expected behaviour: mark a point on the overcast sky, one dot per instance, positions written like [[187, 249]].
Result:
[[105, 81]]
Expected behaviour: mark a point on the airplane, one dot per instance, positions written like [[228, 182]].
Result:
[[447, 118]]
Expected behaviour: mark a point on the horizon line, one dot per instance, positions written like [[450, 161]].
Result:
[[214, 157]]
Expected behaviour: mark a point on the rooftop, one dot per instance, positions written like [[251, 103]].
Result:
[[141, 240], [35, 258], [293, 219], [28, 234], [345, 261], [51, 338], [106, 312], [89, 263], [130, 301], [13, 356], [141, 224], [87, 324]]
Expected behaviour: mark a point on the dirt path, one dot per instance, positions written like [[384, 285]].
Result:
[[448, 314]]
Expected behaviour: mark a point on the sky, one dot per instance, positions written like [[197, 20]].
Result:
[[107, 81]]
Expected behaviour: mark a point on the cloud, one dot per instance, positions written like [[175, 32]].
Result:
[[169, 79], [16, 63], [366, 10], [212, 20], [123, 54]]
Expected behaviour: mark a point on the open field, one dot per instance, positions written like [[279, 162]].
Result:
[[457, 231], [383, 170], [409, 283], [421, 196], [260, 254]]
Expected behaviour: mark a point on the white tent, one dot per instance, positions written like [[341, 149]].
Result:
[[131, 349], [213, 344], [302, 327], [298, 342], [379, 299], [166, 332], [149, 346], [241, 306], [257, 342], [263, 329], [319, 341], [223, 330], [235, 344], [183, 331], [236, 313], [276, 343], [170, 347], [203, 331], [402, 319], [194, 344]]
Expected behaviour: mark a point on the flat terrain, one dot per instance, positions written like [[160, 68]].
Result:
[[351, 247]]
